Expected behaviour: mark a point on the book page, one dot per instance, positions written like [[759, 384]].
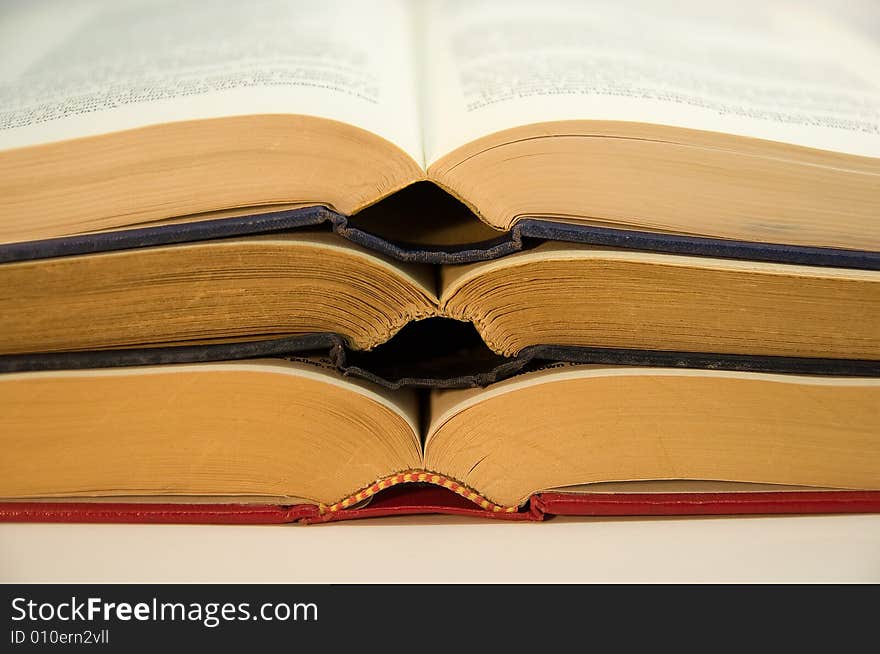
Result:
[[444, 404], [86, 67], [403, 402], [770, 70]]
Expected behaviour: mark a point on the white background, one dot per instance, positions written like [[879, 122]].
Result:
[[842, 548]]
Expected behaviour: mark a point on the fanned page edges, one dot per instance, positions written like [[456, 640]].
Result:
[[524, 233], [282, 286], [235, 299], [696, 182], [186, 170]]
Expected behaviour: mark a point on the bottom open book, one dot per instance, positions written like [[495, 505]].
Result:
[[283, 441]]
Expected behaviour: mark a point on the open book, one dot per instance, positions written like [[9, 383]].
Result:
[[221, 299], [694, 193], [295, 433], [683, 123]]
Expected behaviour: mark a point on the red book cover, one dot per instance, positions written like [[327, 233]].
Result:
[[421, 499]]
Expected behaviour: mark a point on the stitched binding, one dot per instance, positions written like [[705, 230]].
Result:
[[416, 476]]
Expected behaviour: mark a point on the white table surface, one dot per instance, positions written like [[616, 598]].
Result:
[[447, 549]]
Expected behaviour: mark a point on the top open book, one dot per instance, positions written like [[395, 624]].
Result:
[[681, 122]]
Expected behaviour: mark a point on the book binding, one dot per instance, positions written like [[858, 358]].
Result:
[[430, 499], [524, 233], [469, 367]]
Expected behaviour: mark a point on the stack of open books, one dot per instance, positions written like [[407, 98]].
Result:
[[275, 262]]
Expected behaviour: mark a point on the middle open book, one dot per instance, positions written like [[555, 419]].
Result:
[[584, 301]]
